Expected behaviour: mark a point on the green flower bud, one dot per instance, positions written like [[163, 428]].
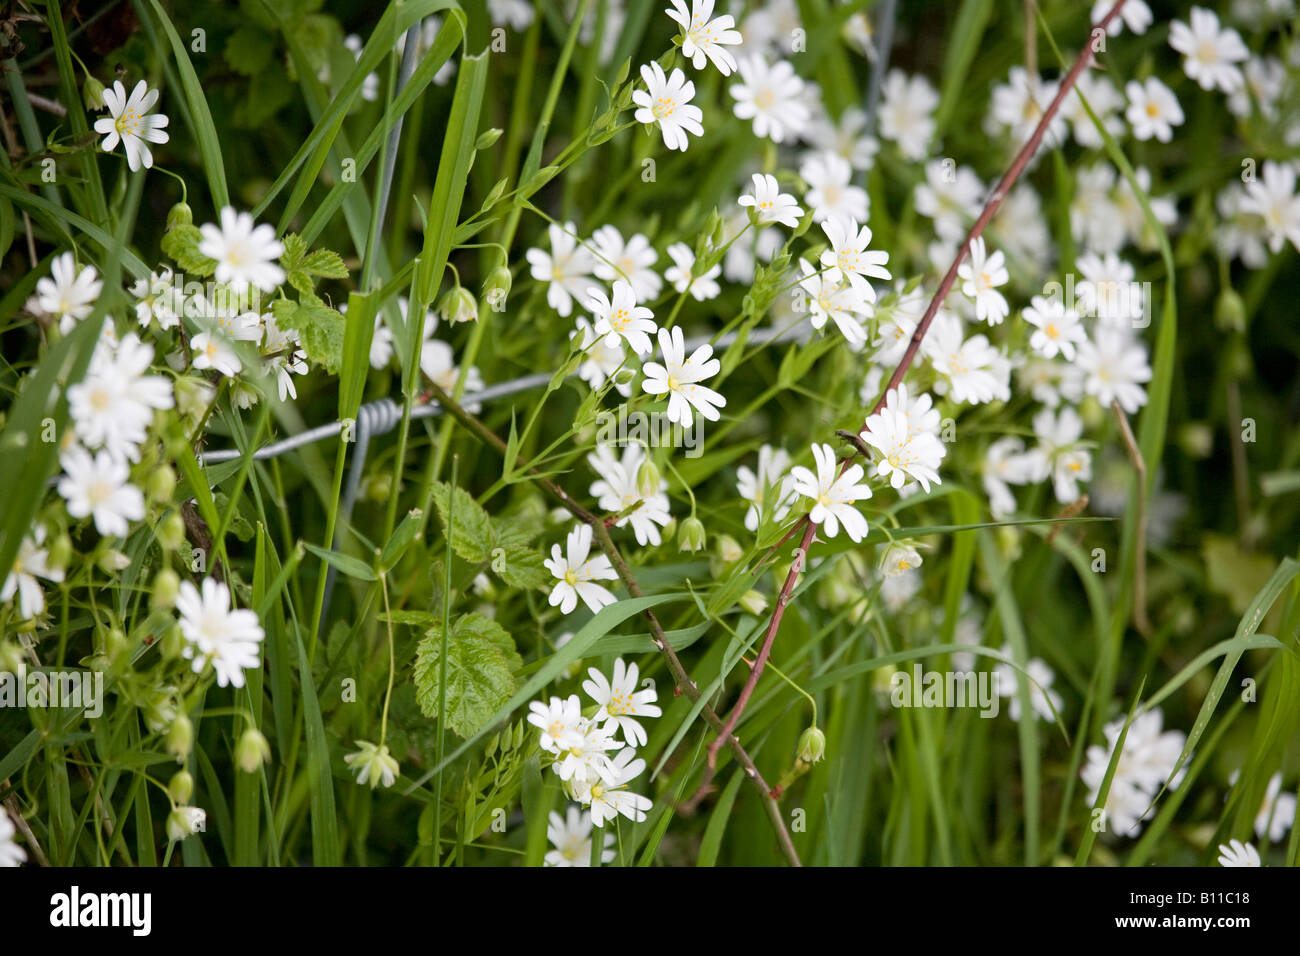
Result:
[[379, 487], [882, 678], [180, 738], [112, 561], [729, 549], [60, 553], [171, 532], [753, 601], [115, 644], [458, 305], [496, 287], [812, 745], [92, 91], [1230, 312], [11, 657], [690, 536], [181, 786], [648, 481], [171, 645], [252, 751], [180, 215], [162, 482], [166, 585], [1197, 439]]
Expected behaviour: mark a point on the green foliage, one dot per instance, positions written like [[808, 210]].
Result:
[[482, 671]]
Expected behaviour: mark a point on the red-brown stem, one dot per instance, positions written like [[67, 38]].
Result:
[[990, 209]]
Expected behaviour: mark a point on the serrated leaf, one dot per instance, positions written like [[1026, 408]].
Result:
[[482, 666], [325, 263], [471, 536], [319, 328], [181, 243], [523, 568]]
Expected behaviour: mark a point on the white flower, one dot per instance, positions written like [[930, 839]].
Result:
[[370, 85], [1105, 101], [965, 364], [1018, 106], [833, 496], [918, 410], [583, 760], [1148, 757], [1131, 215], [159, 300], [770, 491], [558, 720], [566, 268], [99, 487], [680, 274], [949, 196], [1094, 218], [246, 253], [1153, 110], [704, 38], [1059, 454], [981, 276], [576, 573], [898, 559], [608, 797], [907, 113], [834, 300], [680, 377], [215, 632], [1058, 329], [11, 854], [905, 453], [770, 204], [1006, 463], [633, 261], [213, 350], [622, 320], [1210, 54], [666, 101], [31, 562], [1236, 853], [621, 702], [1044, 701], [1273, 198], [372, 764], [601, 359], [69, 295], [1135, 14], [185, 821], [1265, 82], [129, 121], [618, 490], [571, 836], [829, 191], [844, 138], [1116, 366], [517, 14], [847, 260], [381, 343], [1108, 289], [112, 407], [438, 363], [769, 94], [284, 357], [1242, 232], [1277, 812]]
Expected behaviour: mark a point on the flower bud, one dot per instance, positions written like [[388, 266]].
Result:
[[252, 751], [648, 481], [812, 745], [185, 821], [458, 305], [882, 678], [1197, 439], [729, 549], [162, 482], [180, 215], [379, 487], [753, 601], [166, 586], [11, 657], [171, 531], [180, 738], [690, 535], [60, 553], [92, 91], [1230, 312], [112, 561], [496, 287], [115, 644], [170, 645], [181, 786]]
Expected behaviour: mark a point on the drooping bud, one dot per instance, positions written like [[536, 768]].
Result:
[[1230, 312], [181, 786], [648, 481], [185, 821], [812, 745], [690, 535], [162, 482], [166, 586], [60, 553], [92, 91], [171, 532], [180, 738], [252, 751], [458, 305], [180, 215]]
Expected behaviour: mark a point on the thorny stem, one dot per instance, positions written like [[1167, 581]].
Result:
[[606, 544], [990, 209]]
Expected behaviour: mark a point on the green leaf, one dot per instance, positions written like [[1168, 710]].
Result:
[[248, 51], [181, 243], [345, 564], [471, 536], [482, 664], [319, 328], [325, 263]]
